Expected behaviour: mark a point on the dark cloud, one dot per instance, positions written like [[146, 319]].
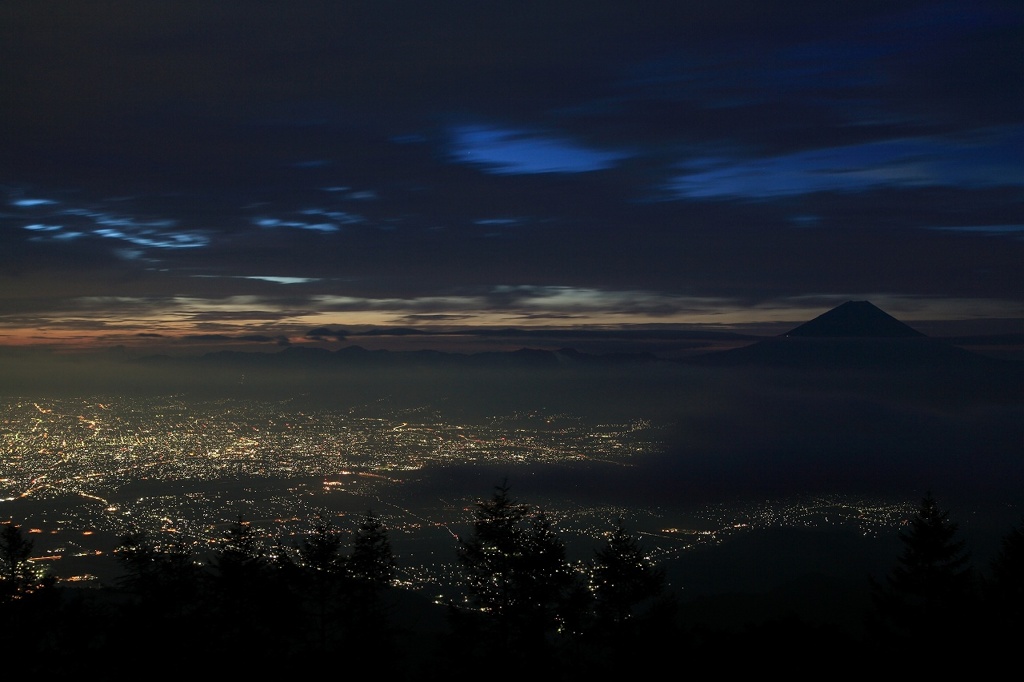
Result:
[[226, 338], [426, 164], [326, 333]]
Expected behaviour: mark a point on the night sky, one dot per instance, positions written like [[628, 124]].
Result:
[[182, 176]]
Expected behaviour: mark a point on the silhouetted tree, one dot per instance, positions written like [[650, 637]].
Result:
[[371, 568], [372, 561], [320, 550], [18, 577], [254, 606], [324, 582], [489, 557], [1004, 593], [32, 619], [928, 595], [623, 577], [546, 577], [163, 583], [239, 565], [163, 576], [631, 617], [517, 577]]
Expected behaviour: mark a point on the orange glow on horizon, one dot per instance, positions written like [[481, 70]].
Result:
[[168, 331]]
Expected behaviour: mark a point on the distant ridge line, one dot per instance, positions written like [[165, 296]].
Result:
[[358, 356]]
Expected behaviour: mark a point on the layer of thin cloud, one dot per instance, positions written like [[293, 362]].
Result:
[[888, 163], [509, 151]]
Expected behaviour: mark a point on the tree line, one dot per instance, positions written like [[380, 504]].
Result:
[[330, 599]]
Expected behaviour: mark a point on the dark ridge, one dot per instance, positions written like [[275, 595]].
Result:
[[357, 356], [1008, 339], [837, 352], [859, 319]]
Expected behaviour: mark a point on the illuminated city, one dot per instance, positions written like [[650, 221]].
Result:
[[81, 473]]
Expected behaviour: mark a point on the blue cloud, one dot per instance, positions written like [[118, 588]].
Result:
[[990, 158], [507, 151]]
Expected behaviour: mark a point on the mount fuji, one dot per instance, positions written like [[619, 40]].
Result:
[[853, 334]]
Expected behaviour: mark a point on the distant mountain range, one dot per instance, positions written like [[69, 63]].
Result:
[[357, 356], [853, 334]]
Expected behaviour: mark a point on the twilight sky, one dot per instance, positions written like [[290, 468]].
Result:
[[190, 175]]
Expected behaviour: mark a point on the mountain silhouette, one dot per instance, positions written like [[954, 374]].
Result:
[[854, 334], [860, 319], [354, 356]]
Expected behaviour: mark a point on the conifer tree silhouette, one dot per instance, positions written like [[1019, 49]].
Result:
[[623, 576], [928, 596], [517, 579], [632, 616], [1004, 593], [489, 557], [162, 576], [18, 577], [372, 560], [322, 581], [251, 598], [33, 621], [370, 570]]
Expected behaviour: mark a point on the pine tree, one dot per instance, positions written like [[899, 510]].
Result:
[[18, 577], [252, 600], [35, 627], [165, 601], [630, 615], [372, 560], [1004, 595], [927, 596], [320, 549], [371, 569], [545, 576], [162, 577], [516, 574], [623, 576], [323, 581], [488, 558]]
